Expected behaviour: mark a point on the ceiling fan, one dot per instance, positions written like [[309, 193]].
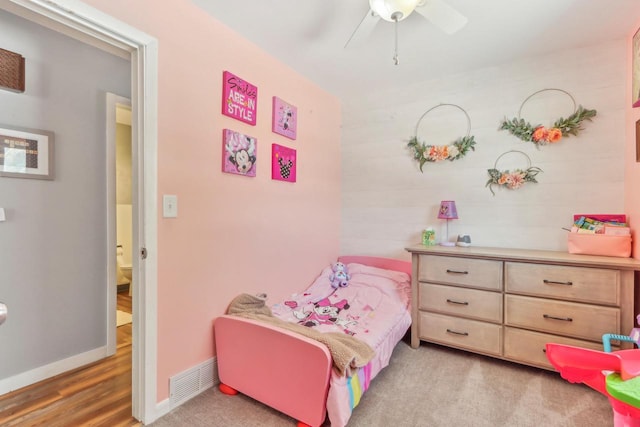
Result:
[[437, 12]]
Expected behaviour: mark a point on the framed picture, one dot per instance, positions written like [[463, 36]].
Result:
[[635, 83], [283, 163], [284, 118], [239, 153], [239, 98], [26, 153], [12, 73]]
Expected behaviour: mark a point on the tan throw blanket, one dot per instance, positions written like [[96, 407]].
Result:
[[346, 351]]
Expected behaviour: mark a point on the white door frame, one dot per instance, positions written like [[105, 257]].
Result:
[[91, 26]]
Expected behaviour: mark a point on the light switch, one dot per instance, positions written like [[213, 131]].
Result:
[[2, 216], [170, 206]]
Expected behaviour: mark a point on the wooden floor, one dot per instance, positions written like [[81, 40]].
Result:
[[98, 394]]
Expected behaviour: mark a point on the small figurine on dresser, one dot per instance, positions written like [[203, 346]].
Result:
[[464, 240]]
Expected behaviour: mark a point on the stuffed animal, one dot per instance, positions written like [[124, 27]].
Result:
[[340, 276]]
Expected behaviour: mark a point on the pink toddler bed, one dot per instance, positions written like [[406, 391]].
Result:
[[293, 373]]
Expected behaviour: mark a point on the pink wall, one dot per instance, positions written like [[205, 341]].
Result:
[[234, 234], [632, 168]]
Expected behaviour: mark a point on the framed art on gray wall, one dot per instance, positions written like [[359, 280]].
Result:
[[12, 73], [26, 153]]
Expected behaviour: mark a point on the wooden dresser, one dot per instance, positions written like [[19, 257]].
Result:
[[508, 303]]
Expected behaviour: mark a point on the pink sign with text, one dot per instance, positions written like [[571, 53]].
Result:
[[239, 98]]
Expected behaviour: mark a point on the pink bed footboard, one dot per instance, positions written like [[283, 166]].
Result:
[[241, 342], [284, 370]]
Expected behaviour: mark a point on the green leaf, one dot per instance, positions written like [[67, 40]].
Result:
[[494, 174]]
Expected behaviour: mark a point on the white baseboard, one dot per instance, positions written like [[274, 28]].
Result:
[[162, 408], [43, 372]]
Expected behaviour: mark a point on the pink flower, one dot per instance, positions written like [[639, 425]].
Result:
[[554, 135], [515, 180], [539, 134], [438, 152]]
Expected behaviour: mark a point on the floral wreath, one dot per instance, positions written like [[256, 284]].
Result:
[[424, 153], [540, 135], [513, 179]]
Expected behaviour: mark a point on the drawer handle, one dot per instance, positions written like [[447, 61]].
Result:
[[451, 331], [557, 283], [457, 302], [457, 272], [565, 319]]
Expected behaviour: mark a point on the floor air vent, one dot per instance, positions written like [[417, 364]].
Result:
[[192, 382]]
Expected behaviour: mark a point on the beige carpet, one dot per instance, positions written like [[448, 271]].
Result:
[[431, 386], [123, 318]]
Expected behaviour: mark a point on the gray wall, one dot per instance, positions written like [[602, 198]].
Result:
[[52, 245]]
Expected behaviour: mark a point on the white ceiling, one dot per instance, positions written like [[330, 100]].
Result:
[[309, 36]]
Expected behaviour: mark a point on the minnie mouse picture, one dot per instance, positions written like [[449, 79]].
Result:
[[285, 118], [323, 313], [243, 161], [239, 153]]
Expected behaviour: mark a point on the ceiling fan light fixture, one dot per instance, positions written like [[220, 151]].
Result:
[[393, 10]]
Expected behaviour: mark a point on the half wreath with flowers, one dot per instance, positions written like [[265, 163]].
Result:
[[511, 179], [424, 153], [541, 135]]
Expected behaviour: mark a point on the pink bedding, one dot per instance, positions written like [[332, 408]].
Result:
[[375, 307]]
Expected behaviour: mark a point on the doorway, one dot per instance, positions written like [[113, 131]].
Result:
[[97, 29], [120, 148]]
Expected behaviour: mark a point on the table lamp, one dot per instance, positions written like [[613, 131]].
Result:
[[447, 211]]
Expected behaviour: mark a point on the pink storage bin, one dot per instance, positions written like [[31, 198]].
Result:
[[599, 244]]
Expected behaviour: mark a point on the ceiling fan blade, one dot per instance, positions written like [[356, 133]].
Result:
[[442, 15], [364, 29]]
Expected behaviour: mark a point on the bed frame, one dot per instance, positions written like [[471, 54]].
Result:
[[257, 360]]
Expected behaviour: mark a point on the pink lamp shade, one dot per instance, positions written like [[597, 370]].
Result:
[[448, 210]]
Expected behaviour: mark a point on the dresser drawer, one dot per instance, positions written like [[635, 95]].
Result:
[[477, 273], [463, 333], [529, 347], [593, 285], [565, 318], [471, 303]]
